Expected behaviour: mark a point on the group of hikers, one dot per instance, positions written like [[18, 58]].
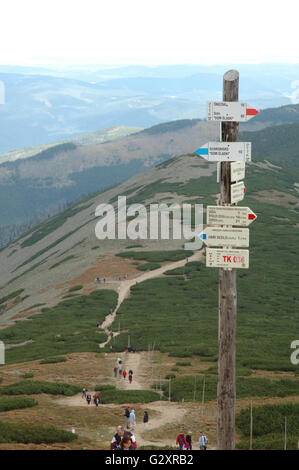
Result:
[[87, 397], [118, 371], [185, 441], [124, 439]]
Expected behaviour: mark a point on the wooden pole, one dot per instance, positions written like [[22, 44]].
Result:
[[227, 296], [251, 427], [203, 391]]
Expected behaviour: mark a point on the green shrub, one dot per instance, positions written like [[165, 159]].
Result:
[[31, 387], [29, 433], [175, 369], [269, 419], [27, 375], [53, 360], [68, 327], [170, 376], [104, 387], [183, 388], [128, 396], [72, 289], [14, 403], [148, 266], [269, 442], [183, 364]]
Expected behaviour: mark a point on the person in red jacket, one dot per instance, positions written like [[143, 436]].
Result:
[[181, 440], [124, 374]]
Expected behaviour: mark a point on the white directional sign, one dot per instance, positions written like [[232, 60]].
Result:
[[226, 151], [230, 215], [230, 111], [219, 236], [237, 192], [237, 170], [217, 258]]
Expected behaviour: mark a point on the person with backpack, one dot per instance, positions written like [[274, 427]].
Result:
[[145, 417], [96, 398], [133, 418], [130, 372], [127, 416], [181, 440], [84, 393], [203, 441], [124, 374], [115, 372], [189, 441], [130, 378], [88, 398]]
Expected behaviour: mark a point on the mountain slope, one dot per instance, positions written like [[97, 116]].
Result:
[[67, 243], [279, 143], [37, 185]]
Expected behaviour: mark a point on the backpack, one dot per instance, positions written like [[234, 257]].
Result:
[[127, 413], [181, 439]]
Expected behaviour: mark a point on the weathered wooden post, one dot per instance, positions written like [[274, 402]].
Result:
[[227, 296]]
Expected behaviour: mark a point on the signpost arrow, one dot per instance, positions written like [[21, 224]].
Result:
[[230, 215], [217, 258], [218, 236], [225, 151], [230, 111]]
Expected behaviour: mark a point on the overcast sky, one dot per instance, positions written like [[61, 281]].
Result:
[[148, 31]]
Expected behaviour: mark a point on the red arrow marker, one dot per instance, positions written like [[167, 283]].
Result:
[[251, 216], [251, 112]]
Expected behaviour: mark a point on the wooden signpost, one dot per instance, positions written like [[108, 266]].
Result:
[[232, 155]]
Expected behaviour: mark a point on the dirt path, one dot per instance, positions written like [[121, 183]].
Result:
[[125, 286], [165, 413]]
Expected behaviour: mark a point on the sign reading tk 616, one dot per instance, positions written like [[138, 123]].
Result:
[[217, 258]]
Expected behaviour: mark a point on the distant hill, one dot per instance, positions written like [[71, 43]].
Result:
[[37, 185], [93, 138], [273, 117], [279, 143]]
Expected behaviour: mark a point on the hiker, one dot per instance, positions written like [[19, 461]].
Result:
[[130, 372], [127, 415], [117, 438], [124, 374], [145, 417], [130, 378], [133, 418], [115, 371], [189, 441], [180, 440], [119, 361], [111, 334], [126, 443], [120, 373], [96, 397], [88, 398], [203, 441], [97, 401], [83, 393]]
